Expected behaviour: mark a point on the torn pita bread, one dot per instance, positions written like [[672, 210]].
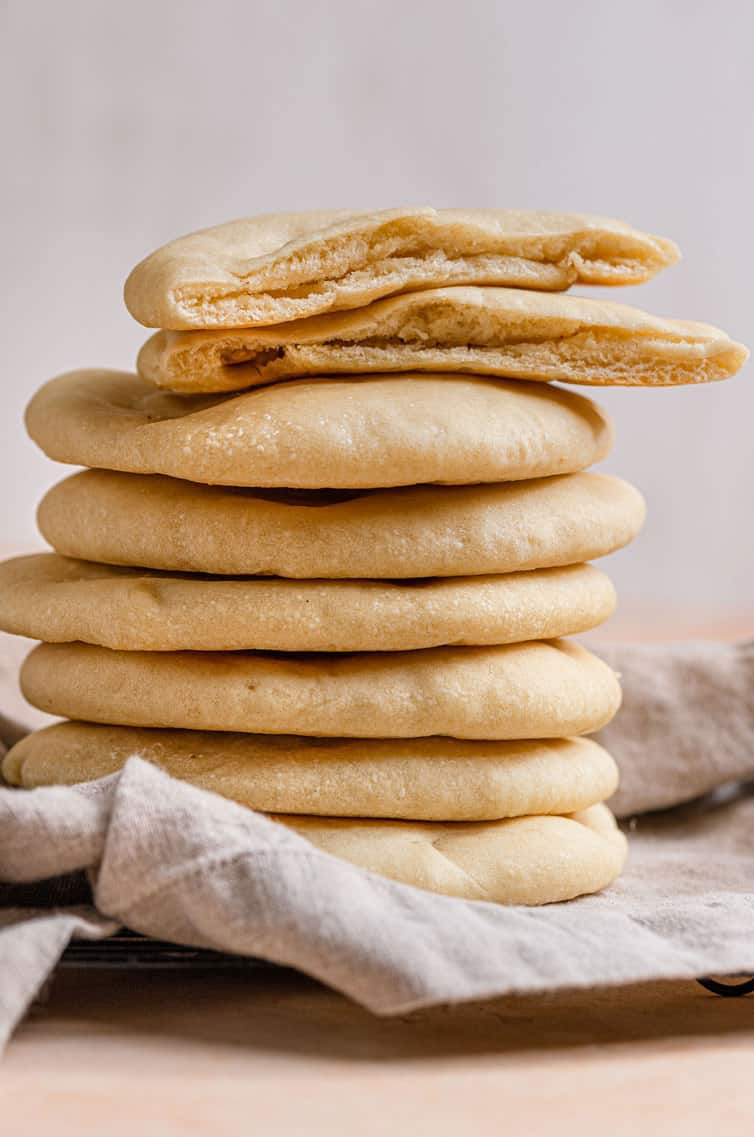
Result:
[[486, 331], [278, 267]]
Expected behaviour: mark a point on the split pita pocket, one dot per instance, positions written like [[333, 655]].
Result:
[[524, 860], [58, 600], [163, 523], [485, 331], [434, 779], [278, 267], [541, 689], [340, 433]]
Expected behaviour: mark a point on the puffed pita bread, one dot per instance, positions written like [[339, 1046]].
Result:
[[339, 433], [268, 269], [542, 689], [524, 860], [59, 600], [435, 779], [425, 531], [487, 331]]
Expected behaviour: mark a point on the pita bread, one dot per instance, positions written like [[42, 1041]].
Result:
[[435, 779], [340, 433], [525, 860], [278, 267], [58, 600], [164, 523], [543, 689], [487, 331]]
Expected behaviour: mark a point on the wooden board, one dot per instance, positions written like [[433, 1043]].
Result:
[[161, 1054]]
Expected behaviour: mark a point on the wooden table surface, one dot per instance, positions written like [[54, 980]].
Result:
[[157, 1054]]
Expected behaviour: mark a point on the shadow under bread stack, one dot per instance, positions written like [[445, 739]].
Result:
[[340, 599]]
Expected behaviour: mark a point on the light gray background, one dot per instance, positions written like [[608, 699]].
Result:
[[128, 124]]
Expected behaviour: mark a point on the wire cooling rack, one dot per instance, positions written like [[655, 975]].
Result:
[[131, 951]]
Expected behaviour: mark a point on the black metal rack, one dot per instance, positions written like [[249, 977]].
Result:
[[132, 951]]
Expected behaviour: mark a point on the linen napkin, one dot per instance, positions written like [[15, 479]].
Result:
[[178, 863]]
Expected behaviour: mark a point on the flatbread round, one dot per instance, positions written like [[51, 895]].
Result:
[[164, 523], [543, 689], [339, 433], [268, 269], [60, 600], [486, 331], [434, 779], [525, 860]]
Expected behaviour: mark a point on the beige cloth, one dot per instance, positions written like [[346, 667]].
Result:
[[176, 862], [687, 725]]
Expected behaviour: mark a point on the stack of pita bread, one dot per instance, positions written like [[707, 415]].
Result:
[[331, 536]]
